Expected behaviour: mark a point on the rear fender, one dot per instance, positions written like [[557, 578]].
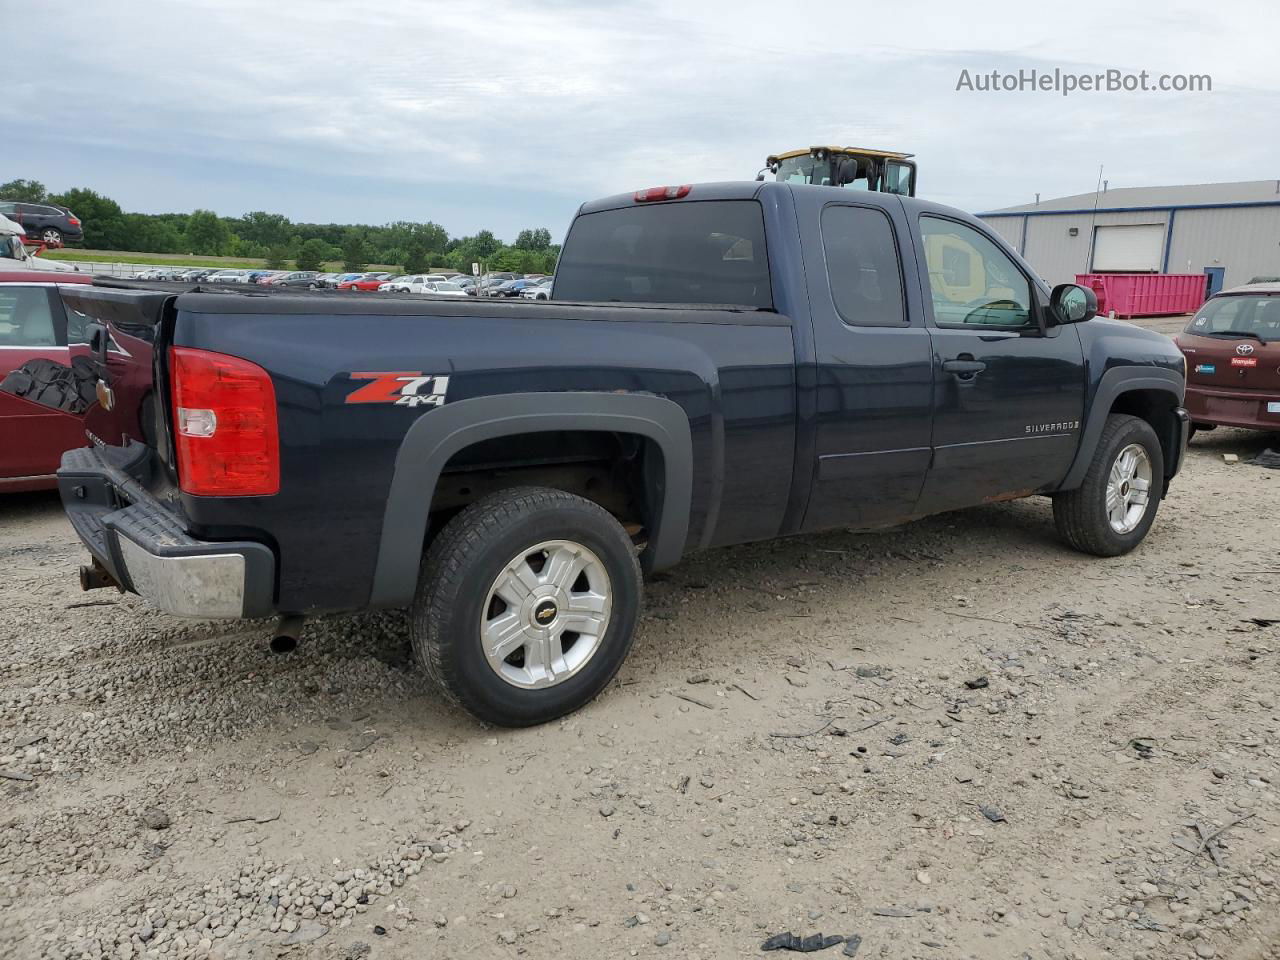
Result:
[[440, 433]]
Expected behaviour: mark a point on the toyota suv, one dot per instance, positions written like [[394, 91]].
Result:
[[1232, 346]]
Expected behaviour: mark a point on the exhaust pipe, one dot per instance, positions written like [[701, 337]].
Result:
[[287, 634]]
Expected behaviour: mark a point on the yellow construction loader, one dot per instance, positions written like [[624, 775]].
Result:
[[855, 168]]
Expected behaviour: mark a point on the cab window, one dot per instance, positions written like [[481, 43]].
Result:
[[971, 280], [862, 266]]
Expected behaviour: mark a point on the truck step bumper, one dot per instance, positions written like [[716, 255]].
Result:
[[143, 545]]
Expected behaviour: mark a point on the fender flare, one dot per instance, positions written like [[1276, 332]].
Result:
[[1114, 383], [440, 433]]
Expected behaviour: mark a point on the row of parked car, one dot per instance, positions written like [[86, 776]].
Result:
[[532, 286]]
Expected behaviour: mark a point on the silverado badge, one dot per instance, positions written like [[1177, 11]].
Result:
[[403, 388]]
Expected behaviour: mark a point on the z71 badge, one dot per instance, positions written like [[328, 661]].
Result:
[[411, 388]]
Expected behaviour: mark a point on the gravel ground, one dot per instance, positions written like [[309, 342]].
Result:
[[956, 739]]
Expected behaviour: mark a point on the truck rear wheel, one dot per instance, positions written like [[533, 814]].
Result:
[[526, 605], [1112, 510]]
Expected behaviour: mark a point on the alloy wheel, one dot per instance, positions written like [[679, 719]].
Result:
[[546, 614]]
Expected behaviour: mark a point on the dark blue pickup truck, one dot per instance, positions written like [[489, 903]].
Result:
[[719, 363]]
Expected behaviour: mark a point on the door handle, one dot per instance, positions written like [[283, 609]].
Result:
[[964, 366]]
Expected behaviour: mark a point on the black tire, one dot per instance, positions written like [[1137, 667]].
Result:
[[51, 236], [1081, 515], [453, 591]]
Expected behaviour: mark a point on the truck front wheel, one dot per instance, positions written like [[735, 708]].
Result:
[[526, 605], [1112, 510]]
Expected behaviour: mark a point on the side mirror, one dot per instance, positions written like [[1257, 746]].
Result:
[[1072, 303]]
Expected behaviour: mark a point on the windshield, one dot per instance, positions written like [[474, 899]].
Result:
[[805, 169], [1238, 316]]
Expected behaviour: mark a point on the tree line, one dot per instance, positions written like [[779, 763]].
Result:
[[278, 241]]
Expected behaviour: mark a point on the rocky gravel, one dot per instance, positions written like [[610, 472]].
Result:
[[957, 739]]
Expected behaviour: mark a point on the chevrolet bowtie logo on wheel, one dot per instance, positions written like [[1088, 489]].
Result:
[[403, 388]]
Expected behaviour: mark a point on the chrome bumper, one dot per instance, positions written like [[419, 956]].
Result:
[[142, 543], [207, 585]]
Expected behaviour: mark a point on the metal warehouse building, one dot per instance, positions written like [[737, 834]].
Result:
[[1228, 231]]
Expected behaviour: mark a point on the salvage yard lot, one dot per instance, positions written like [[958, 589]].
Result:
[[802, 740]]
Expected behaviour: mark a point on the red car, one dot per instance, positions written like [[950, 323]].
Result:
[[56, 355], [33, 342], [369, 281], [1232, 346]]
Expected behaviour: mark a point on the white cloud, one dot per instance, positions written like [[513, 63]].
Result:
[[580, 99]]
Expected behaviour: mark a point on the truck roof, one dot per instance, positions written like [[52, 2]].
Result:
[[721, 190], [804, 194], [861, 151]]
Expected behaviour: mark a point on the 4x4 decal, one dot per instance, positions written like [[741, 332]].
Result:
[[405, 388]]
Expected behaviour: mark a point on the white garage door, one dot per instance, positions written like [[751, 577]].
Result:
[[1136, 247]]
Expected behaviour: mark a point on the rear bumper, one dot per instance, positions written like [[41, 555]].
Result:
[[143, 545], [1233, 408]]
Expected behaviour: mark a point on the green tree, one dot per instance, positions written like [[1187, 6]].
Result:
[[312, 254], [509, 259], [150, 234], [207, 233], [416, 256], [478, 249], [433, 238], [276, 256], [103, 222], [486, 244], [267, 229], [23, 191], [538, 239], [247, 248], [355, 255]]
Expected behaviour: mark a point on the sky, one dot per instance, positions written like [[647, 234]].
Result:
[[507, 115]]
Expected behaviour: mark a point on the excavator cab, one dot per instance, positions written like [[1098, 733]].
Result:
[[853, 168]]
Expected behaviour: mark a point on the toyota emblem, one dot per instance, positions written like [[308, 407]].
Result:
[[1244, 349]]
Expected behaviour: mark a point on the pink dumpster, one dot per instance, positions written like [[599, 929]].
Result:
[[1145, 294]]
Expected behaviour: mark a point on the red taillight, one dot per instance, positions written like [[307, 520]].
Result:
[[663, 193], [73, 221], [224, 420]]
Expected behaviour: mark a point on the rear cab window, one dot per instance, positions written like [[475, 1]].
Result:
[[692, 252]]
